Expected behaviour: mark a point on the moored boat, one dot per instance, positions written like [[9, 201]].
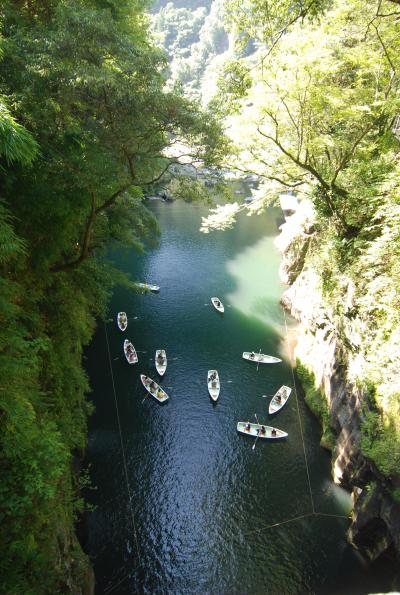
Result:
[[213, 384], [161, 361], [153, 388], [260, 431], [218, 305], [130, 352], [260, 358], [148, 287], [279, 399], [122, 320]]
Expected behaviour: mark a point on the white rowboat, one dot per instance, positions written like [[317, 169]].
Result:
[[148, 287], [260, 358], [279, 399], [122, 321], [161, 361], [213, 384], [255, 430], [218, 305], [130, 352], [154, 389]]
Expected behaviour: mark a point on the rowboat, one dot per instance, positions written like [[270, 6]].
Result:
[[256, 430], [122, 321], [148, 287], [130, 352], [153, 388], [213, 384], [279, 399], [218, 305], [161, 361], [260, 358]]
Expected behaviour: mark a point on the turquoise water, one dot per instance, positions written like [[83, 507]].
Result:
[[183, 503]]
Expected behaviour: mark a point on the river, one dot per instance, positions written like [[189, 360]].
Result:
[[183, 503]]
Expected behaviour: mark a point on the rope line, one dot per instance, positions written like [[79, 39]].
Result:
[[122, 445], [266, 527], [299, 416], [297, 518], [122, 580]]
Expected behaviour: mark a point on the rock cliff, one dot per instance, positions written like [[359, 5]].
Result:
[[330, 347]]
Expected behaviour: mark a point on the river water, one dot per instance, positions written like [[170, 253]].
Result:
[[183, 503]]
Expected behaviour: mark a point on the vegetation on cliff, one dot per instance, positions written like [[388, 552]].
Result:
[[84, 123], [315, 110]]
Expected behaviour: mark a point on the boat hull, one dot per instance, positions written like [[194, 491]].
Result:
[[161, 366], [276, 404], [218, 305], [131, 357], [154, 389], [255, 431], [260, 358], [148, 287], [213, 384], [122, 325]]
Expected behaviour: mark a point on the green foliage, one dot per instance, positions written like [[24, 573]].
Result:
[[321, 117], [193, 40], [317, 403], [268, 20], [85, 127], [16, 144], [380, 441]]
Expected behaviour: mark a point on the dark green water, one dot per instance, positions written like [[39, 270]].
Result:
[[183, 502]]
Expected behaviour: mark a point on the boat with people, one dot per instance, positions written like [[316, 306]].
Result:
[[148, 287], [161, 361], [153, 388], [279, 399], [260, 431], [213, 384], [130, 352], [260, 358], [122, 321], [218, 305]]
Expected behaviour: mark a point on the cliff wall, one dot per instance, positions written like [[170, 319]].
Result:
[[331, 347]]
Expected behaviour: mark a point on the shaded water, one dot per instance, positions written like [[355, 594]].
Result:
[[184, 504]]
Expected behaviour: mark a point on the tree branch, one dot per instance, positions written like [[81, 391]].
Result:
[[57, 268]]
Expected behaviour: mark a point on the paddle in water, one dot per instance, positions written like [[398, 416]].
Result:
[[255, 441], [258, 363]]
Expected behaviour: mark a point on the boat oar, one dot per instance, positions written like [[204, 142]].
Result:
[[255, 441], [258, 361]]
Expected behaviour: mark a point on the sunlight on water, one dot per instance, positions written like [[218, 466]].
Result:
[[257, 293], [341, 496]]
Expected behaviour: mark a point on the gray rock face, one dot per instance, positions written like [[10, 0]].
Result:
[[328, 346]]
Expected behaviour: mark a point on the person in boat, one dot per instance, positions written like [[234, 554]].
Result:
[[247, 427], [153, 385], [160, 358], [278, 398], [252, 355], [160, 393], [262, 431], [218, 302], [273, 432]]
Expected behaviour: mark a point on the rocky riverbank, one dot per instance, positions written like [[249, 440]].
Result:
[[332, 355]]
